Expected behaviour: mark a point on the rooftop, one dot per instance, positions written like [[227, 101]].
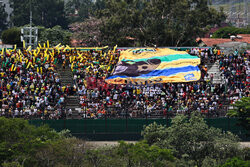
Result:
[[216, 41]]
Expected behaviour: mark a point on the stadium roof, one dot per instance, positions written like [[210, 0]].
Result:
[[216, 41]]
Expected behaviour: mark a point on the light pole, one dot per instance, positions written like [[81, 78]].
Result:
[[30, 34]]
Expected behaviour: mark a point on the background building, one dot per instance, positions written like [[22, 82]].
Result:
[[237, 11], [8, 9]]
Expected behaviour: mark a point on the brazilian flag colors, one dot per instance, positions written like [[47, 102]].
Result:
[[155, 66]]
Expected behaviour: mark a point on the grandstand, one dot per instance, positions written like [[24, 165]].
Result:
[[70, 83]]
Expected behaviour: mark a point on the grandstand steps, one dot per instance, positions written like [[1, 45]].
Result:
[[72, 102], [217, 79], [66, 76]]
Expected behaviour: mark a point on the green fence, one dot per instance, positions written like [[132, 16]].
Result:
[[130, 129]]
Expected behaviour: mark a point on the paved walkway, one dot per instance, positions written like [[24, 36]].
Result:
[[96, 144]]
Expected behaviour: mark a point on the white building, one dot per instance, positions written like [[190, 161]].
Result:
[[8, 9]]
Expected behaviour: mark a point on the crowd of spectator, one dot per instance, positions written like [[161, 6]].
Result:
[[99, 99], [30, 86]]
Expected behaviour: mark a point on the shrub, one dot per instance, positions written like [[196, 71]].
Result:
[[12, 36]]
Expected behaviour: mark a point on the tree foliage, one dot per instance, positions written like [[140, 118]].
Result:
[[12, 36], [62, 152], [3, 18], [78, 10], [236, 162], [133, 155], [188, 142], [192, 139], [19, 141], [226, 32], [55, 35], [47, 13], [87, 33], [242, 111], [161, 23]]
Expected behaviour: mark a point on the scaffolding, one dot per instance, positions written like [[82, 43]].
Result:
[[236, 11]]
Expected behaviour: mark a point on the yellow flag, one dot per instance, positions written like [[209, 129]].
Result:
[[24, 44], [80, 55], [44, 45], [38, 50], [15, 47], [28, 65], [28, 48], [47, 43], [41, 70], [20, 57], [37, 69], [53, 53], [57, 46], [115, 48], [12, 67], [39, 45], [2, 51], [67, 47], [7, 51]]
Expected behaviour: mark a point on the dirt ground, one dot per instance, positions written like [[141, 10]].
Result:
[[96, 144]]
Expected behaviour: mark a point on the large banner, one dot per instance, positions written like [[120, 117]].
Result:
[[153, 65]]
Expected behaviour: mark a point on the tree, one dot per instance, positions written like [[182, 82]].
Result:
[[87, 33], [192, 139], [55, 35], [226, 32], [19, 140], [161, 23], [78, 10], [242, 111], [3, 18], [139, 154], [62, 152], [236, 162], [12, 36], [47, 13]]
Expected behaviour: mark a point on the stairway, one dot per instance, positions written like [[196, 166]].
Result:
[[217, 79], [72, 101], [66, 76]]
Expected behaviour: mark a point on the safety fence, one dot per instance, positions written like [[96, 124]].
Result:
[[127, 129]]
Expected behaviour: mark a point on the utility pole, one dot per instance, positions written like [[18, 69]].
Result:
[[30, 34], [246, 13], [30, 41]]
